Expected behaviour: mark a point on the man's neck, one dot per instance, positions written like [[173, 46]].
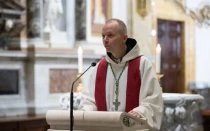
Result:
[[116, 60], [118, 55], [115, 57]]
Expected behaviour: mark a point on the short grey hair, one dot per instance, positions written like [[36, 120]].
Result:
[[123, 28]]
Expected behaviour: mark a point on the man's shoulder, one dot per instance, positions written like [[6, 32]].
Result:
[[142, 57]]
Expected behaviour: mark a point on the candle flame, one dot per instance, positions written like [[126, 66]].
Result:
[[80, 50], [158, 47]]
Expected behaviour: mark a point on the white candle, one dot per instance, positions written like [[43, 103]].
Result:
[[80, 59], [158, 54]]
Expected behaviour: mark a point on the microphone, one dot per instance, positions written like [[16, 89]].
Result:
[[72, 97]]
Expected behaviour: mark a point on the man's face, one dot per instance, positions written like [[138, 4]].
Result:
[[112, 38]]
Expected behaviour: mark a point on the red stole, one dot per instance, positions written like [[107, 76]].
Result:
[[133, 85]]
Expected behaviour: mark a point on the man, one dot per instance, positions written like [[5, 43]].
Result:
[[124, 81]]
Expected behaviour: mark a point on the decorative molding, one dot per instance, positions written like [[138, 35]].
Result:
[[143, 7], [181, 4], [64, 101], [10, 20], [182, 116], [201, 14]]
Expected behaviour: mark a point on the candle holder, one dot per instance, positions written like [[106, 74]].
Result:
[[80, 87], [159, 76]]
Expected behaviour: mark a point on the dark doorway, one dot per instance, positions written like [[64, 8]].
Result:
[[170, 38]]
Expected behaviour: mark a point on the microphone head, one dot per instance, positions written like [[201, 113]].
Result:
[[93, 64]]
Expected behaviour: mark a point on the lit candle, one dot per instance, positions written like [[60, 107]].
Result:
[[80, 61], [158, 54]]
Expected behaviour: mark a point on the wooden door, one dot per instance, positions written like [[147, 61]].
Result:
[[170, 39]]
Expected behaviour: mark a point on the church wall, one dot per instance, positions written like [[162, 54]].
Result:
[[18, 100], [38, 88], [202, 53], [141, 30], [119, 10], [94, 41], [70, 27], [168, 10], [202, 45], [171, 11]]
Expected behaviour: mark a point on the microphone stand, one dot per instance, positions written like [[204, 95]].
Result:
[[72, 98]]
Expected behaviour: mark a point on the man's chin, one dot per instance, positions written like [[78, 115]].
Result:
[[108, 49]]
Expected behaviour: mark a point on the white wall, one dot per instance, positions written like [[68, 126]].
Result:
[[95, 42], [119, 10], [202, 46], [202, 54]]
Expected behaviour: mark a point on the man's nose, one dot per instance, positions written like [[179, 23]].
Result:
[[105, 39]]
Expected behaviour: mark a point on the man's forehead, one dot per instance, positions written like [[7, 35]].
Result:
[[109, 30], [112, 23], [111, 27]]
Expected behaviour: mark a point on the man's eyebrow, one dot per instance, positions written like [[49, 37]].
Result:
[[109, 32]]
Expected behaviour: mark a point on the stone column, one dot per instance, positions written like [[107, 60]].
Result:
[[35, 23], [129, 18], [32, 17], [35, 15], [70, 20], [81, 19]]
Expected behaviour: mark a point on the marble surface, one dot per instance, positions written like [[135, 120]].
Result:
[[61, 80], [182, 112], [175, 97], [202, 88], [34, 67]]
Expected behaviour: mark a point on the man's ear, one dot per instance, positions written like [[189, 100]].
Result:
[[125, 38]]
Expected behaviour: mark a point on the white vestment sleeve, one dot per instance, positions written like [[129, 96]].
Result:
[[88, 96], [150, 103]]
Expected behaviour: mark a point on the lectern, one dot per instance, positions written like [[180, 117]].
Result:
[[94, 121]]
